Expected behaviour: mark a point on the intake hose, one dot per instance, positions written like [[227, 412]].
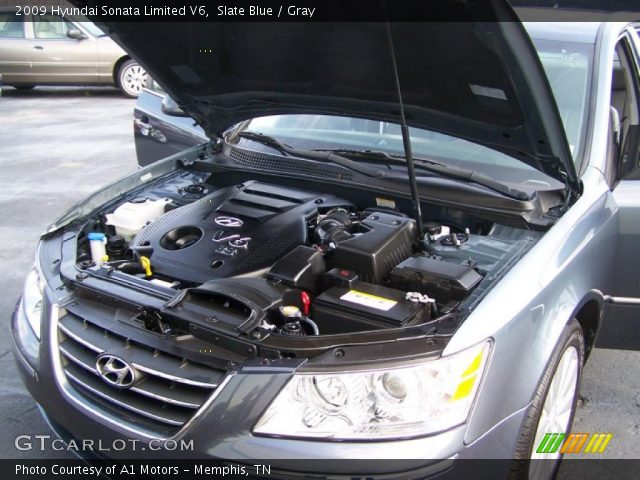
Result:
[[312, 324], [333, 228]]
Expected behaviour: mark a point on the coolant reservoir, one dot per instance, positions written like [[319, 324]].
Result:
[[130, 217]]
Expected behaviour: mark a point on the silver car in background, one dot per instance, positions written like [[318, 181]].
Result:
[[51, 50]]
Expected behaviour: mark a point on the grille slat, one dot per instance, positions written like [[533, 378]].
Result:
[[150, 387], [78, 356], [168, 390], [82, 341], [125, 400], [97, 339]]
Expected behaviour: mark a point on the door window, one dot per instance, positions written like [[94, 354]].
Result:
[[625, 111], [11, 26], [50, 26]]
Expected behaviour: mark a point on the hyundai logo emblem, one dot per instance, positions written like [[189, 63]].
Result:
[[231, 222], [115, 371]]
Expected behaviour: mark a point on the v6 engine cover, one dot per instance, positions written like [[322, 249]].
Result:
[[233, 231]]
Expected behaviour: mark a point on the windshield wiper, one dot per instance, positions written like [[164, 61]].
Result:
[[445, 170], [364, 153], [265, 140], [317, 155], [468, 175]]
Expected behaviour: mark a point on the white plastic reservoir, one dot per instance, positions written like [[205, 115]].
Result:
[[97, 243], [130, 217]]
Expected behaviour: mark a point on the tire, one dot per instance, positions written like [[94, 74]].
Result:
[[24, 87], [131, 78], [569, 356]]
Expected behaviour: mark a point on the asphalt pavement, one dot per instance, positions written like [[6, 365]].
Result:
[[57, 145]]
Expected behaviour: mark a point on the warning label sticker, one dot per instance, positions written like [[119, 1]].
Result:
[[385, 202], [368, 300]]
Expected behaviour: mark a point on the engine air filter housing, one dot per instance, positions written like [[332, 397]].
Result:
[[385, 241]]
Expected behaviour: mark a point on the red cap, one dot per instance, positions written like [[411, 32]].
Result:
[[306, 302]]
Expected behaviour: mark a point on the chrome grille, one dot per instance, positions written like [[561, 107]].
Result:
[[169, 391]]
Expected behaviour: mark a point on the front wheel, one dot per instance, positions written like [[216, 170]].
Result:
[[131, 78], [552, 409]]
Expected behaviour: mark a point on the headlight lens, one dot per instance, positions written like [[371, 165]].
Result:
[[390, 403], [32, 300]]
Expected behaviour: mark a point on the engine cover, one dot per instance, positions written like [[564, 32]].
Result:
[[233, 231]]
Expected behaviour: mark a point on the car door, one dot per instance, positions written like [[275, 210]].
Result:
[[158, 135], [620, 328], [15, 62], [58, 59]]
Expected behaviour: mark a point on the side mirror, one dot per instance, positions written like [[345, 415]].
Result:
[[171, 108], [76, 34]]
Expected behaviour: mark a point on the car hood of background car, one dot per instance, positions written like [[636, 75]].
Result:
[[474, 79]]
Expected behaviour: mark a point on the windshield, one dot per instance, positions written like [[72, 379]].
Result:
[[92, 28], [566, 64]]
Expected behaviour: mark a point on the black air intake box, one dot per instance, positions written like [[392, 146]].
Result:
[[385, 241]]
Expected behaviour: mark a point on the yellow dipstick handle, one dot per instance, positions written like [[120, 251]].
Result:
[[146, 264]]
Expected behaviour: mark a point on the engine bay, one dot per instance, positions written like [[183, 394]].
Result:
[[260, 259]]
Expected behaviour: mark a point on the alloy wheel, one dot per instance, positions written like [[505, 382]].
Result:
[[133, 79], [556, 413]]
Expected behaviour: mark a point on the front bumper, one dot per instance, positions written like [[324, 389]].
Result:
[[223, 430]]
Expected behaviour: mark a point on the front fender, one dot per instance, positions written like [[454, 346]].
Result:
[[528, 310]]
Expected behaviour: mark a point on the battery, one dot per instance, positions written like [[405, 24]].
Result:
[[365, 306]]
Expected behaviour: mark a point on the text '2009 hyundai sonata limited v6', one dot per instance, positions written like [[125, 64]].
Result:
[[397, 244]]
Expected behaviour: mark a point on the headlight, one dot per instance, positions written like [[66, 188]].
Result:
[[383, 404], [32, 300]]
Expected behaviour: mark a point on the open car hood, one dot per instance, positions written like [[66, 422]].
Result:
[[473, 79]]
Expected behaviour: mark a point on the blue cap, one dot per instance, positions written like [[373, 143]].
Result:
[[97, 236]]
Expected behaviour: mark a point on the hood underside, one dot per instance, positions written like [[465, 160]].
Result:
[[477, 80]]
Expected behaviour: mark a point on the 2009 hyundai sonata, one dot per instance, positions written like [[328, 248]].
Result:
[[397, 244]]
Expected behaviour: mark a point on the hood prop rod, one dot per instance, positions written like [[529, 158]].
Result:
[[406, 141]]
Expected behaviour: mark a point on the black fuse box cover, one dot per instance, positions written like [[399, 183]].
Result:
[[301, 268], [442, 280], [365, 306]]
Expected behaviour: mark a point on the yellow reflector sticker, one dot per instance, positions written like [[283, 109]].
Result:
[[464, 388], [474, 365]]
